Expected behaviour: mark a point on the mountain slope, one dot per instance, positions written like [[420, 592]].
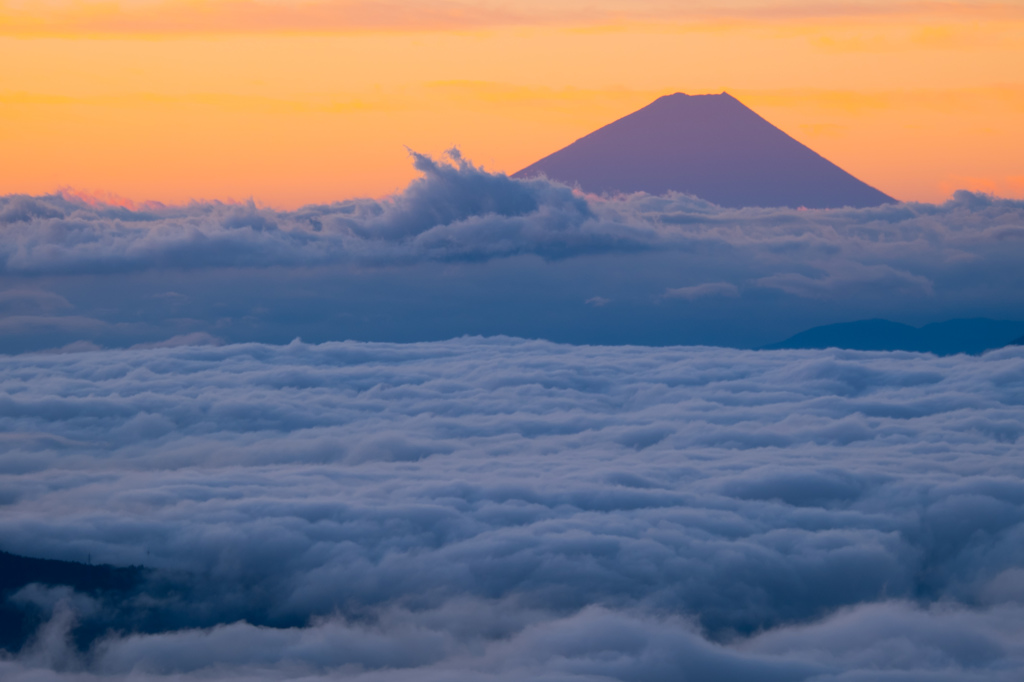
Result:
[[711, 146], [19, 619]]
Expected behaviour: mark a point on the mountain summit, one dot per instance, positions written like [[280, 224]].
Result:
[[711, 146]]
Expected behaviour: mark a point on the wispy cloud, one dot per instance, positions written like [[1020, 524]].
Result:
[[127, 17], [703, 291]]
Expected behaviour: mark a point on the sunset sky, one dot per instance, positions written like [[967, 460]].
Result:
[[294, 102]]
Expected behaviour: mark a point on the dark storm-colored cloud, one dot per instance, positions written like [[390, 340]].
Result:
[[506, 509]]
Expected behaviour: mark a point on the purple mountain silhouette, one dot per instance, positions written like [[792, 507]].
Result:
[[711, 146]]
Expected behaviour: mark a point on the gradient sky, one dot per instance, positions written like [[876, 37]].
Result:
[[292, 102]]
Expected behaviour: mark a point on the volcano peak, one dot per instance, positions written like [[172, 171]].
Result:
[[711, 146]]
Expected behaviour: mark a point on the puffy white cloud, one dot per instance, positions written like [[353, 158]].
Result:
[[508, 509], [499, 508], [463, 251]]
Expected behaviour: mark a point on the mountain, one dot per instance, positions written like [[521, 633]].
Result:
[[708, 145], [20, 619], [942, 338], [17, 571]]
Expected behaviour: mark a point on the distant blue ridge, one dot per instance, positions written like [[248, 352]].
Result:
[[971, 336]]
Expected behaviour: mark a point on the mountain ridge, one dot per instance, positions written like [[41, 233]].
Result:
[[972, 336]]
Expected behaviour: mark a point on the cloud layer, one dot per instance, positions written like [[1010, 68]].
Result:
[[506, 509], [463, 251]]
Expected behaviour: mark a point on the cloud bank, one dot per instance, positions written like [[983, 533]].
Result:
[[507, 509], [464, 251]]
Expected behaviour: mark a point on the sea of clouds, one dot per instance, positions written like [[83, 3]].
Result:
[[463, 251], [492, 508], [504, 509]]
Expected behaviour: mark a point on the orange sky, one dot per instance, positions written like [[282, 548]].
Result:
[[292, 102]]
